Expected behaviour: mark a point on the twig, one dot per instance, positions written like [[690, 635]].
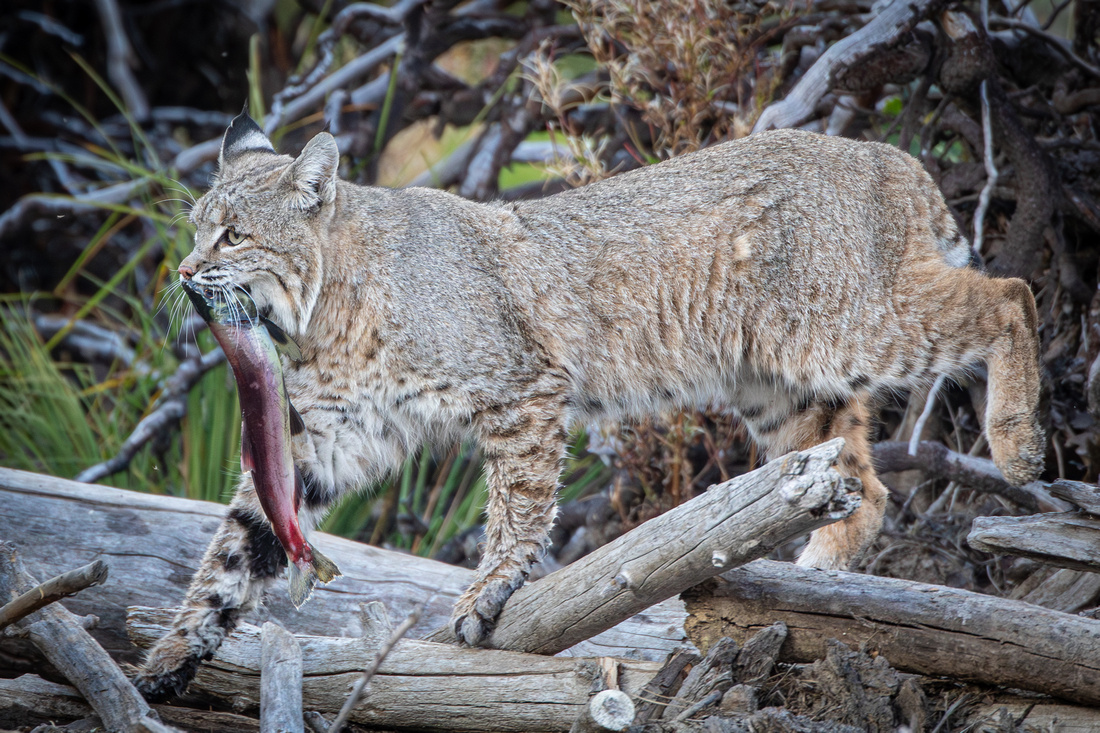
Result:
[[706, 702], [383, 652], [54, 589], [1054, 41], [171, 407], [120, 56], [990, 170], [95, 343], [929, 403]]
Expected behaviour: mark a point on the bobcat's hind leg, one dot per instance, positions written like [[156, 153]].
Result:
[[524, 448], [836, 546], [1016, 439], [239, 563]]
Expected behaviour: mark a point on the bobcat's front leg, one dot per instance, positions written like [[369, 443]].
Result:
[[240, 562], [524, 446]]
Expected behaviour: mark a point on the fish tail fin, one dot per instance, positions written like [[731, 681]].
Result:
[[303, 577]]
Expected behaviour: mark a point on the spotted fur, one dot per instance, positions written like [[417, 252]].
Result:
[[787, 276]]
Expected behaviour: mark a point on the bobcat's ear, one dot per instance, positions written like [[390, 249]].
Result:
[[312, 177], [243, 134]]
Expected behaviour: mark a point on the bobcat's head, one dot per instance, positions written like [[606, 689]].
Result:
[[262, 225]]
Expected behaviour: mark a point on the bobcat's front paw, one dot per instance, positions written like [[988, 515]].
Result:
[[169, 668], [475, 614], [1018, 447]]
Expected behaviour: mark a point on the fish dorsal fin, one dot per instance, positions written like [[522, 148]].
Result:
[[283, 342], [297, 424], [247, 461]]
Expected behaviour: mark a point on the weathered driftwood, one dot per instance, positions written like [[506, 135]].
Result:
[[421, 685], [154, 543], [280, 681], [1070, 591], [919, 628], [732, 523], [54, 589], [31, 700], [69, 648], [1066, 539]]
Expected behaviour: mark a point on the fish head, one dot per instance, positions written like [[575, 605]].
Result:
[[217, 305]]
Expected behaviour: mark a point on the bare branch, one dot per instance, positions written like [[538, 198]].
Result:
[[54, 589], [171, 407], [120, 57]]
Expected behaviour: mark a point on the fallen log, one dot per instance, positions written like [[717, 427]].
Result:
[[732, 523], [421, 685], [153, 544], [31, 700], [1065, 539], [61, 638], [919, 628]]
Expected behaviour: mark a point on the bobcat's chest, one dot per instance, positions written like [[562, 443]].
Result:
[[360, 425]]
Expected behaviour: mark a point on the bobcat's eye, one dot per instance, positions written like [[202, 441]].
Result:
[[233, 237]]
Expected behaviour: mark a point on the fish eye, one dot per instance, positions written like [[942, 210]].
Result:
[[233, 237]]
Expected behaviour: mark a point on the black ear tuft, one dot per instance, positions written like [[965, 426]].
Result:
[[243, 134]]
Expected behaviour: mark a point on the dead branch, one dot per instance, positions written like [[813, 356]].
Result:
[[1066, 539], [884, 30], [920, 628], [980, 474], [360, 687], [120, 57], [170, 408], [730, 524], [54, 589], [63, 640]]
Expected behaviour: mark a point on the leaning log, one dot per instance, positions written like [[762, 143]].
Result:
[[732, 523], [153, 544], [1065, 539], [421, 685], [920, 628]]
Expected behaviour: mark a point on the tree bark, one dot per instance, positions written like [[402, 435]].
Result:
[[731, 524], [421, 685], [919, 628]]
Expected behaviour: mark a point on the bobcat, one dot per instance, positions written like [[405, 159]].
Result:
[[787, 276]]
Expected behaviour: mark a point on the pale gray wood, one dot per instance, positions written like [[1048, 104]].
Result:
[[421, 685], [29, 700], [62, 639], [732, 523], [608, 710], [54, 589], [280, 681], [919, 628], [1078, 493], [1030, 716], [153, 544], [1066, 539]]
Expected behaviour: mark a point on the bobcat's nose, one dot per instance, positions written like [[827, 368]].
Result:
[[186, 272]]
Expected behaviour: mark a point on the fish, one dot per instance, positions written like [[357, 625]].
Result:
[[252, 345]]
